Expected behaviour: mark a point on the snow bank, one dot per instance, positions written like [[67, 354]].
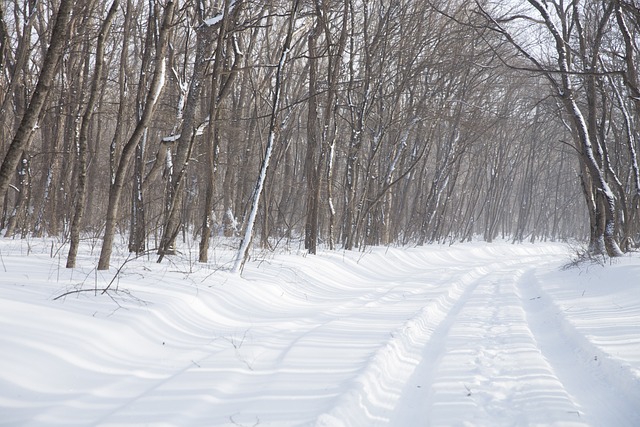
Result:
[[471, 334]]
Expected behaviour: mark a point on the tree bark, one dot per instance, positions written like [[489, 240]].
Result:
[[81, 187], [218, 90], [311, 172], [128, 151], [205, 34], [29, 119], [243, 251]]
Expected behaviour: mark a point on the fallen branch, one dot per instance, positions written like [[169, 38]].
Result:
[[113, 279], [77, 291]]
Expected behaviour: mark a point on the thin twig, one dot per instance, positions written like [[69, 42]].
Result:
[[77, 291]]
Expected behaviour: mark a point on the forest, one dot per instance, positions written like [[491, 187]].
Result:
[[333, 123]]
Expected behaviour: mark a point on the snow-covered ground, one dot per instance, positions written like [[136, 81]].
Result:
[[466, 335]]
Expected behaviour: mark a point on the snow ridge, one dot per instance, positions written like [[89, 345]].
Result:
[[473, 334]]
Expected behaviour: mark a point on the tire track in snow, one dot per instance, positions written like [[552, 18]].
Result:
[[608, 392], [467, 334], [266, 379], [482, 365], [373, 395]]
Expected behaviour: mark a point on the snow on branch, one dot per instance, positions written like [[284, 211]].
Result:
[[171, 138], [198, 132], [216, 19]]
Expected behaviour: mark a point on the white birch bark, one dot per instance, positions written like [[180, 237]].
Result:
[[243, 251]]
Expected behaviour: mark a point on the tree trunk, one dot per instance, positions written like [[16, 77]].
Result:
[[81, 187], [213, 134], [29, 119], [243, 251], [205, 35], [128, 151], [22, 199], [311, 173], [137, 225]]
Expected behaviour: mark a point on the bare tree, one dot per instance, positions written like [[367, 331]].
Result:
[[243, 251], [81, 184], [29, 119], [128, 151], [559, 22], [381, 122], [220, 88]]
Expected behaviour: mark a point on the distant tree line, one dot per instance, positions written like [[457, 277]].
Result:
[[336, 122]]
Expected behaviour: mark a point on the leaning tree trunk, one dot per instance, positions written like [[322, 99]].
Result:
[[587, 156], [587, 152], [128, 151], [28, 123], [243, 251], [184, 143]]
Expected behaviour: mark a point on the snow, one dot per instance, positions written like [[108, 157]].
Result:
[[171, 138], [472, 334], [215, 20], [210, 22]]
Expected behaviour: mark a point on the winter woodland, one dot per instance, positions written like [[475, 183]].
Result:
[[342, 123]]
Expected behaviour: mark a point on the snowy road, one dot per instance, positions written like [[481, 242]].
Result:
[[467, 335]]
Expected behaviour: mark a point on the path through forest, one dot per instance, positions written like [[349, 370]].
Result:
[[471, 334]]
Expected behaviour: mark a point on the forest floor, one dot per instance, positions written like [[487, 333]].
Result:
[[472, 334]]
